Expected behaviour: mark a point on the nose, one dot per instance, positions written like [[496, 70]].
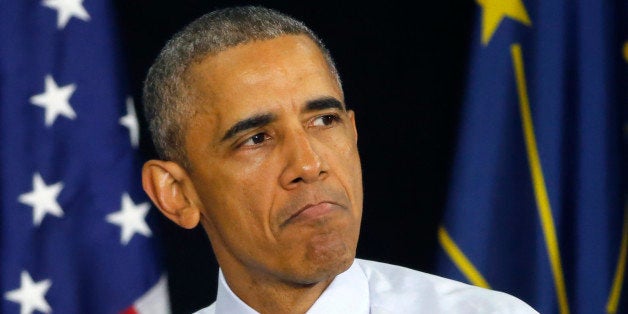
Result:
[[303, 163]]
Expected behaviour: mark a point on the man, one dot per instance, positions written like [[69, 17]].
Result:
[[247, 114]]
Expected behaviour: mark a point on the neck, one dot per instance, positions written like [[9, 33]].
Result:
[[269, 295]]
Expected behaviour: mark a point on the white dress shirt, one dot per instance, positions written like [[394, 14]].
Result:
[[379, 288]]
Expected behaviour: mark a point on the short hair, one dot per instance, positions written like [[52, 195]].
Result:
[[165, 96]]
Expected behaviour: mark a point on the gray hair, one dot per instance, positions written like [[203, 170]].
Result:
[[165, 98]]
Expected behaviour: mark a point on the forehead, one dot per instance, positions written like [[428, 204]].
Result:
[[260, 72]]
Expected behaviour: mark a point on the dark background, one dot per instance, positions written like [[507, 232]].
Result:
[[403, 70]]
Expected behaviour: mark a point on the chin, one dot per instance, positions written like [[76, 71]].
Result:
[[322, 273], [322, 256], [325, 263]]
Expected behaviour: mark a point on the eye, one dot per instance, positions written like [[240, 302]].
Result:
[[326, 120], [256, 139]]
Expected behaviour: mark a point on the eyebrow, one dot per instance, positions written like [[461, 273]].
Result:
[[249, 123], [323, 103], [260, 120]]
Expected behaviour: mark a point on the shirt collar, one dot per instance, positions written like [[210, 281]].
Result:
[[347, 293], [227, 301]]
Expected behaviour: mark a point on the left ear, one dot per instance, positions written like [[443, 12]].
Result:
[[351, 114]]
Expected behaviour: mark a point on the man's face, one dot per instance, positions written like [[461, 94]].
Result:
[[274, 161]]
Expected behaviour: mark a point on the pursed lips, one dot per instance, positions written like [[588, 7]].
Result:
[[312, 211]]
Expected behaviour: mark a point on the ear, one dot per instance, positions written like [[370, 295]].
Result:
[[352, 119], [169, 187]]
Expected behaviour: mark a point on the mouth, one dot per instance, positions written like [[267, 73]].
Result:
[[312, 212]]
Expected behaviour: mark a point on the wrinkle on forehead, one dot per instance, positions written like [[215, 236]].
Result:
[[259, 77], [271, 58]]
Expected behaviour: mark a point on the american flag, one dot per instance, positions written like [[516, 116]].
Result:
[[76, 232]]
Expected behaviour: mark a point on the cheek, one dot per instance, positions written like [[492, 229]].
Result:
[[345, 153], [247, 193], [351, 172], [237, 212]]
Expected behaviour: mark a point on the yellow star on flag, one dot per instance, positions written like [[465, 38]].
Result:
[[494, 11]]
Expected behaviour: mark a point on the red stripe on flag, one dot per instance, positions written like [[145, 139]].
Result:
[[129, 310]]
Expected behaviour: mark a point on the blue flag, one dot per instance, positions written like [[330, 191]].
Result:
[[75, 231], [537, 203]]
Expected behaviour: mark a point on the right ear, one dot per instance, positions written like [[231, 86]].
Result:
[[169, 187]]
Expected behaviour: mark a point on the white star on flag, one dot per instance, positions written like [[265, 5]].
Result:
[[130, 122], [56, 100], [43, 199], [131, 219], [67, 9], [30, 295]]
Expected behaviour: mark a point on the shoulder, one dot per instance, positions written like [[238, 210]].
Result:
[[397, 289]]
